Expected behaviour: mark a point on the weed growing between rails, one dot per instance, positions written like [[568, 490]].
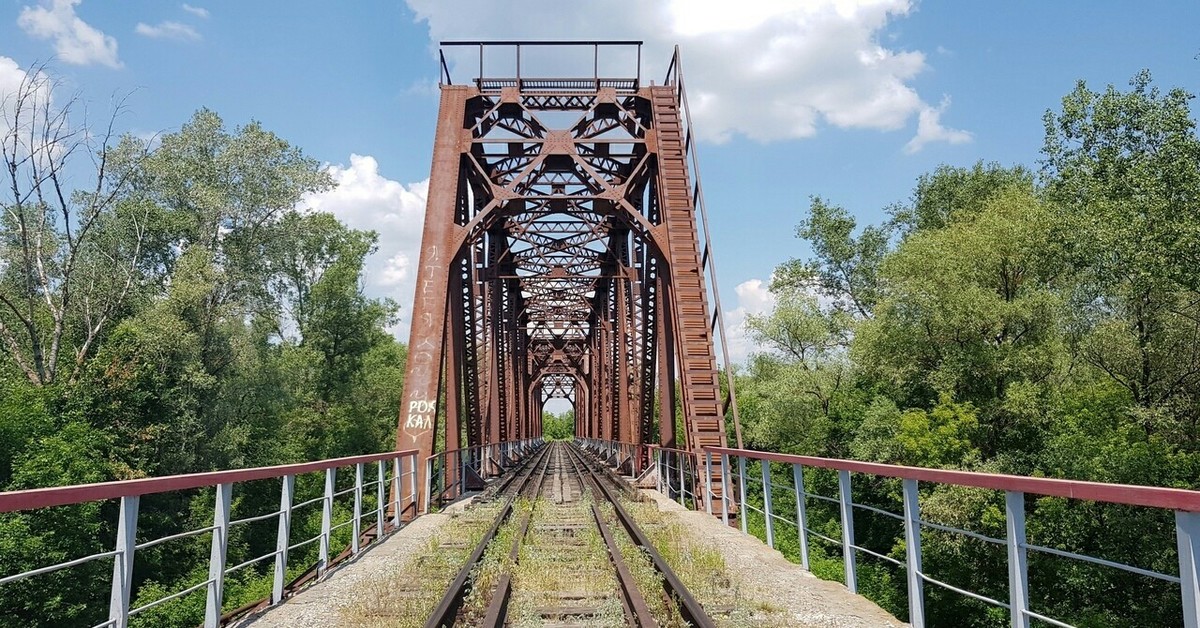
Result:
[[404, 596], [702, 569], [564, 565]]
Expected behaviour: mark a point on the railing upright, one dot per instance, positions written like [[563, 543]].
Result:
[[742, 491], [398, 488], [284, 537], [326, 522], [1187, 538], [708, 494], [358, 499], [847, 508], [912, 555], [380, 501], [216, 561], [1018, 566], [122, 581], [801, 512], [766, 486], [725, 489]]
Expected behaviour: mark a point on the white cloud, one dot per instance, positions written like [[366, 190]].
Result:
[[365, 199], [769, 70], [753, 298], [167, 30], [200, 12], [930, 129], [75, 41]]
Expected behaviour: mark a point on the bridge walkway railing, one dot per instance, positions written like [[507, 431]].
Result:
[[390, 476], [758, 481]]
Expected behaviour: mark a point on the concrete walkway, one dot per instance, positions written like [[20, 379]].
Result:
[[764, 575], [323, 603]]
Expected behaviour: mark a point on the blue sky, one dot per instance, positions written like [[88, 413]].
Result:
[[847, 99]]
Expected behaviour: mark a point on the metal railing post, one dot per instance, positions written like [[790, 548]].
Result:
[[326, 521], [358, 498], [216, 560], [283, 539], [742, 491], [725, 489], [122, 580], [912, 555], [658, 468], [1187, 537], [766, 479], [1018, 566], [670, 489], [428, 482], [398, 485], [846, 503], [801, 512], [708, 494], [412, 485], [380, 498]]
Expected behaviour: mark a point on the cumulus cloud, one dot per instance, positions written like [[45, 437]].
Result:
[[365, 199], [930, 129], [75, 41], [753, 298], [769, 70], [200, 12], [167, 30]]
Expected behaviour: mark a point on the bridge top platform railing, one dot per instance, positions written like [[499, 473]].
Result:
[[771, 489], [514, 67], [388, 497]]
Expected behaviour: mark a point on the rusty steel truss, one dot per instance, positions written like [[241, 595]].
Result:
[[561, 257]]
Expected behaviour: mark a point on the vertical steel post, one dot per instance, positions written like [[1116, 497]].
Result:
[[428, 483], [122, 580], [397, 477], [912, 555], [1018, 566], [708, 494], [846, 500], [1187, 537], [742, 491], [670, 490], [216, 559], [380, 498], [358, 498], [766, 482], [725, 489], [801, 512], [326, 521], [658, 467], [412, 485], [283, 540]]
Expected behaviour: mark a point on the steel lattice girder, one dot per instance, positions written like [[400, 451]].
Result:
[[560, 259]]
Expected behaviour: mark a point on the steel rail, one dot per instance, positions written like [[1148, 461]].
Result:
[[689, 607], [445, 613], [497, 610], [637, 612]]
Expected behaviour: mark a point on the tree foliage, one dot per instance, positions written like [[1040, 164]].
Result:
[[1005, 324], [184, 313]]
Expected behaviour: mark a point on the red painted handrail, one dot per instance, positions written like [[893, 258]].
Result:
[[64, 495], [1152, 496]]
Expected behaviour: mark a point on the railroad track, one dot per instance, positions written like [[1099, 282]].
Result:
[[563, 552]]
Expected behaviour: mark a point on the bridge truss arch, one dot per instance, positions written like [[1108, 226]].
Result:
[[561, 258]]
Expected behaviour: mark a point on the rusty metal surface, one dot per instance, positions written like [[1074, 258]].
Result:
[[560, 259]]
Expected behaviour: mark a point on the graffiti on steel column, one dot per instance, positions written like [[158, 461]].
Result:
[[419, 417]]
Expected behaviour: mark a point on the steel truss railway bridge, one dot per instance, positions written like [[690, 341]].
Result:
[[566, 255]]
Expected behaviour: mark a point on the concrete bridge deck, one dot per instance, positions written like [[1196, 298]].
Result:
[[772, 590]]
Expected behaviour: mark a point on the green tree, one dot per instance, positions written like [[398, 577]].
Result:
[[1123, 170]]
